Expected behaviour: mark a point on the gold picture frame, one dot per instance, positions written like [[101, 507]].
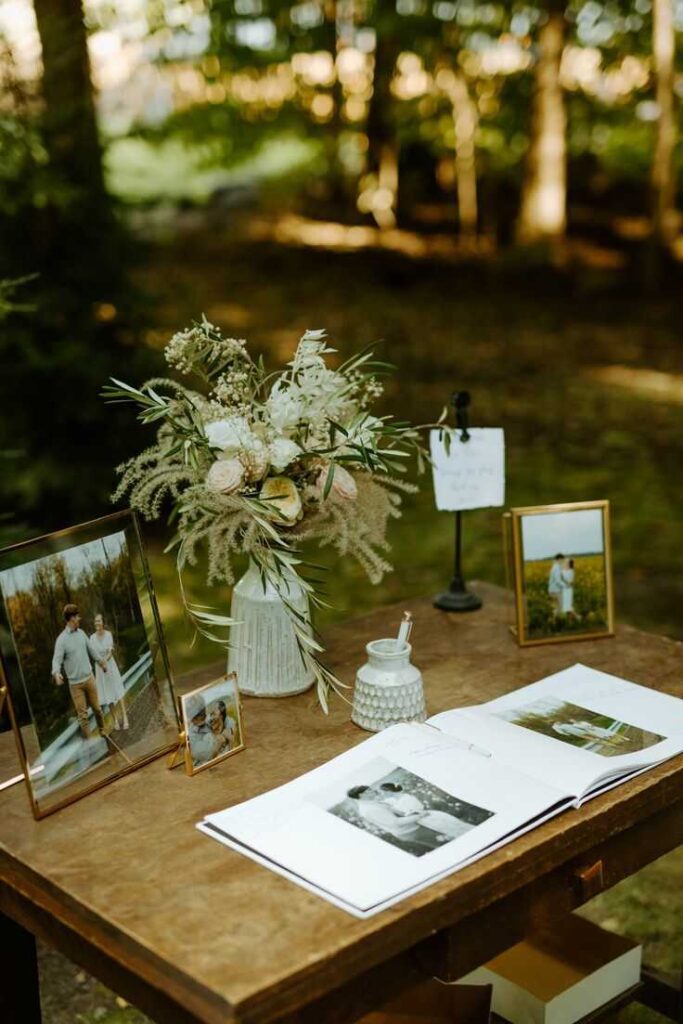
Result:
[[560, 595], [61, 759], [229, 737]]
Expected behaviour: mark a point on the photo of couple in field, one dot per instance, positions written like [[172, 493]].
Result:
[[565, 573]]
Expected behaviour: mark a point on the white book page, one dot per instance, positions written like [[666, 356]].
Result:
[[386, 817], [210, 830], [574, 728]]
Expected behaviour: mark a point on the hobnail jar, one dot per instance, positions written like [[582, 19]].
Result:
[[388, 687], [264, 651]]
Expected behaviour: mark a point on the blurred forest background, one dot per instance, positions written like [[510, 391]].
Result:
[[490, 188]]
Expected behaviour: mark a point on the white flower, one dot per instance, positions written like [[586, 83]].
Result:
[[343, 485], [311, 350], [285, 409], [282, 451], [229, 434], [225, 475], [282, 498]]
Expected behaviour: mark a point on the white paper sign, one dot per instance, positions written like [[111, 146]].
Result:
[[472, 474]]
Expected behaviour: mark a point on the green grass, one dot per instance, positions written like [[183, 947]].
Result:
[[139, 171]]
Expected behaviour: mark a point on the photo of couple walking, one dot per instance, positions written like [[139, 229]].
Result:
[[86, 664], [405, 810], [81, 670]]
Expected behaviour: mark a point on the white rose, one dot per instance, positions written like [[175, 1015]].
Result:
[[229, 434], [282, 451], [225, 476]]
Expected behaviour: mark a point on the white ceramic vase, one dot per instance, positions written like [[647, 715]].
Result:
[[388, 688], [264, 651]]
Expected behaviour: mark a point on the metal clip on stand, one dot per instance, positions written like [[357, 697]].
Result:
[[458, 598]]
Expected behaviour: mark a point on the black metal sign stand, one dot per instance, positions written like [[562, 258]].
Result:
[[458, 598]]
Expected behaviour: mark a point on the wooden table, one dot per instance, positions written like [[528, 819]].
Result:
[[190, 931]]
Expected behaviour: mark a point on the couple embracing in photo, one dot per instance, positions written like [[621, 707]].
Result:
[[74, 655], [561, 585]]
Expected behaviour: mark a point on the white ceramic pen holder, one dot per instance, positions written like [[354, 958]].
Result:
[[388, 688]]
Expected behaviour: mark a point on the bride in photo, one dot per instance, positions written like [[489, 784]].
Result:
[[109, 684], [567, 593]]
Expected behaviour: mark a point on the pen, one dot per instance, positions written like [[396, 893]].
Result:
[[473, 747], [404, 630]]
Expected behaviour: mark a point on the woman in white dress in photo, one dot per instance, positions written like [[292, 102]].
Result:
[[567, 593], [109, 684]]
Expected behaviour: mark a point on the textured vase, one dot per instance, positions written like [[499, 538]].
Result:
[[388, 688], [265, 654]]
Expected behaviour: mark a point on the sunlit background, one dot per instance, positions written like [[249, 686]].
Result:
[[488, 191]]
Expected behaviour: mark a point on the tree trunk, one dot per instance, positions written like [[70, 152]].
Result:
[[382, 159], [542, 215], [70, 126], [465, 120], [665, 220]]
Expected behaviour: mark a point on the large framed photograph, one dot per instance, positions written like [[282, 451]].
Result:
[[212, 723], [83, 657], [560, 558]]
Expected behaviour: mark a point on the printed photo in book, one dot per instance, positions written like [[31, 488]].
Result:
[[402, 808], [565, 721]]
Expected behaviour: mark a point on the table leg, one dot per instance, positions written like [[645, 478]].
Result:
[[662, 993], [19, 988]]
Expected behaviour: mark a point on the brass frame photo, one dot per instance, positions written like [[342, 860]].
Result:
[[560, 560], [212, 723], [83, 660]]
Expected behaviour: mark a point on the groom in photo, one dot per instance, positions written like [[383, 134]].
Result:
[[73, 657], [555, 584]]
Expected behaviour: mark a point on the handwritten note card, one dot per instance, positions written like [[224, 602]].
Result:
[[472, 474]]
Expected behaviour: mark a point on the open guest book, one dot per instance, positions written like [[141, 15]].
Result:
[[416, 802]]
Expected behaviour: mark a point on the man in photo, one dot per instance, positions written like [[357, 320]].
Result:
[[73, 658], [556, 583]]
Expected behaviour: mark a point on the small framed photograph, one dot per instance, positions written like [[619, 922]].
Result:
[[561, 565], [83, 658], [212, 723]]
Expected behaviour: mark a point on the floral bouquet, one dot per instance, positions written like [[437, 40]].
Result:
[[260, 462]]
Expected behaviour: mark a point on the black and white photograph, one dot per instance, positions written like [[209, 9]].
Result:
[[403, 809], [212, 722], [580, 727], [82, 658]]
